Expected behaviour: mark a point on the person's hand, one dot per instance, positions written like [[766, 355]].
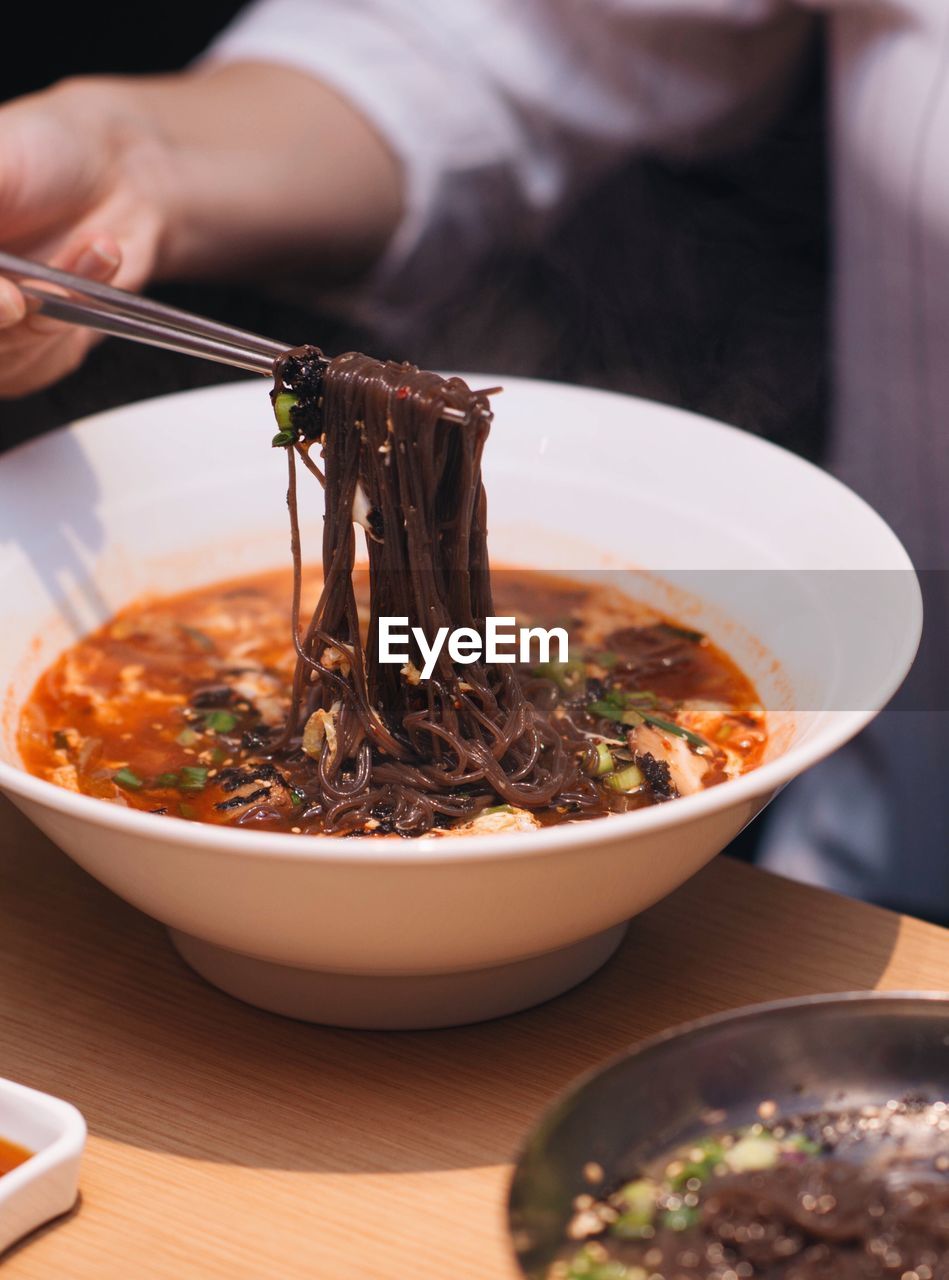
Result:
[[80, 176], [249, 168]]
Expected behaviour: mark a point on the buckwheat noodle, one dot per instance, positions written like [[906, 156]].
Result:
[[391, 751]]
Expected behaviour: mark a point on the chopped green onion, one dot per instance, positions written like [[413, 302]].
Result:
[[613, 711], [683, 633], [201, 640], [584, 1266], [187, 738], [128, 780], [629, 779], [602, 762], [606, 659], [628, 1227], [668, 726], [296, 797], [801, 1142], [283, 407], [702, 1161], [497, 808], [639, 1210], [166, 780], [193, 777], [220, 721], [680, 1219], [187, 810], [752, 1153], [566, 675], [608, 710], [624, 708]]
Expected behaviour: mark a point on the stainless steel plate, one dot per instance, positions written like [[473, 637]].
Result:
[[807, 1055]]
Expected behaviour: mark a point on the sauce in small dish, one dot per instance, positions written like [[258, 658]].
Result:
[[12, 1155]]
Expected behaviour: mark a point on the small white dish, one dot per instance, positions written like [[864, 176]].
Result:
[[46, 1184]]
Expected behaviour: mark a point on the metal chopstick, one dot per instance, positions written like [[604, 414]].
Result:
[[128, 315], [120, 302], [153, 334]]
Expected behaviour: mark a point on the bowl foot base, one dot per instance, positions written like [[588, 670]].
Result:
[[389, 1002]]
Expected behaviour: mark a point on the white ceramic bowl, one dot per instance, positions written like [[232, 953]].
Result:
[[47, 1184], [178, 492]]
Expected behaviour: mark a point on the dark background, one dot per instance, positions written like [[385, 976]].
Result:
[[704, 288]]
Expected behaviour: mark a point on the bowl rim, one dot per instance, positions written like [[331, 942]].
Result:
[[741, 1013], [768, 778]]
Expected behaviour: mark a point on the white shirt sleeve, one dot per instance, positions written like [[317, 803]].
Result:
[[501, 111]]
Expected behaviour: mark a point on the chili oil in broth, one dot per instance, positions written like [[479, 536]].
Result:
[[171, 707]]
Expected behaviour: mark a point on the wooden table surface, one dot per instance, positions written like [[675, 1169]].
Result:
[[229, 1143]]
